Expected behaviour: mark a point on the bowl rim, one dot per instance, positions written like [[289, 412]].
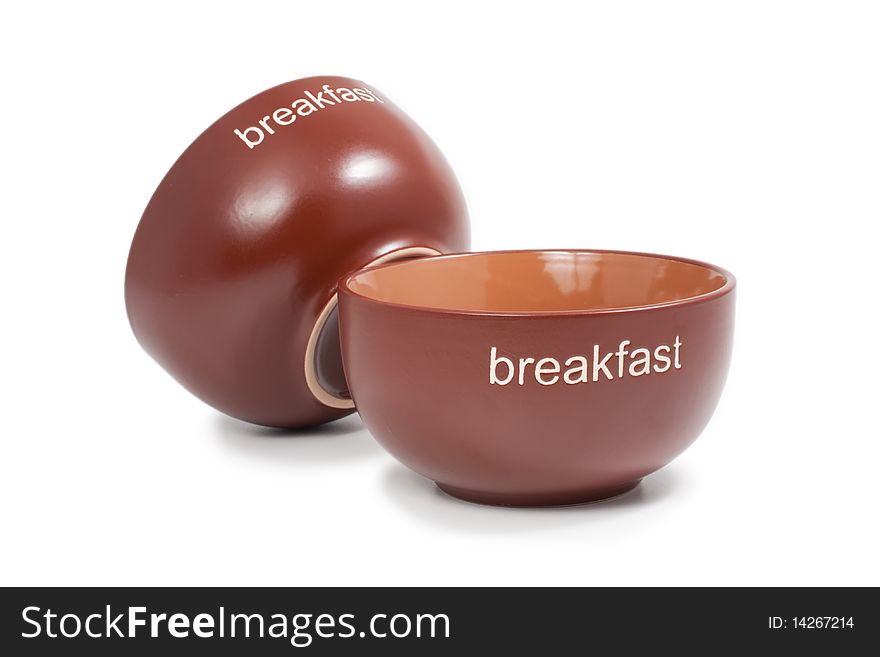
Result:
[[729, 286]]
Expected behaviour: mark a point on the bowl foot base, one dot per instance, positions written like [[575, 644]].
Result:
[[567, 498]]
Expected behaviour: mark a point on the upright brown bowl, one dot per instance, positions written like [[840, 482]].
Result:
[[537, 377]]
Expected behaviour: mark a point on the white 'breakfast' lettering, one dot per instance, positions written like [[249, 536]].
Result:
[[604, 366], [254, 135]]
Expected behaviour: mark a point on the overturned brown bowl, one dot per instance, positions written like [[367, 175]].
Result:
[[231, 278], [537, 377]]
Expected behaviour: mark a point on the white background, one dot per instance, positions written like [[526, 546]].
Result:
[[742, 133]]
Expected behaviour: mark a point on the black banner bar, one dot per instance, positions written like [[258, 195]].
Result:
[[435, 621]]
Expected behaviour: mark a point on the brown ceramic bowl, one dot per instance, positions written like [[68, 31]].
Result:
[[231, 279], [537, 377]]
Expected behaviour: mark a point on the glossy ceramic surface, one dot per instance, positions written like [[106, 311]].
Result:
[[537, 378], [231, 277]]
